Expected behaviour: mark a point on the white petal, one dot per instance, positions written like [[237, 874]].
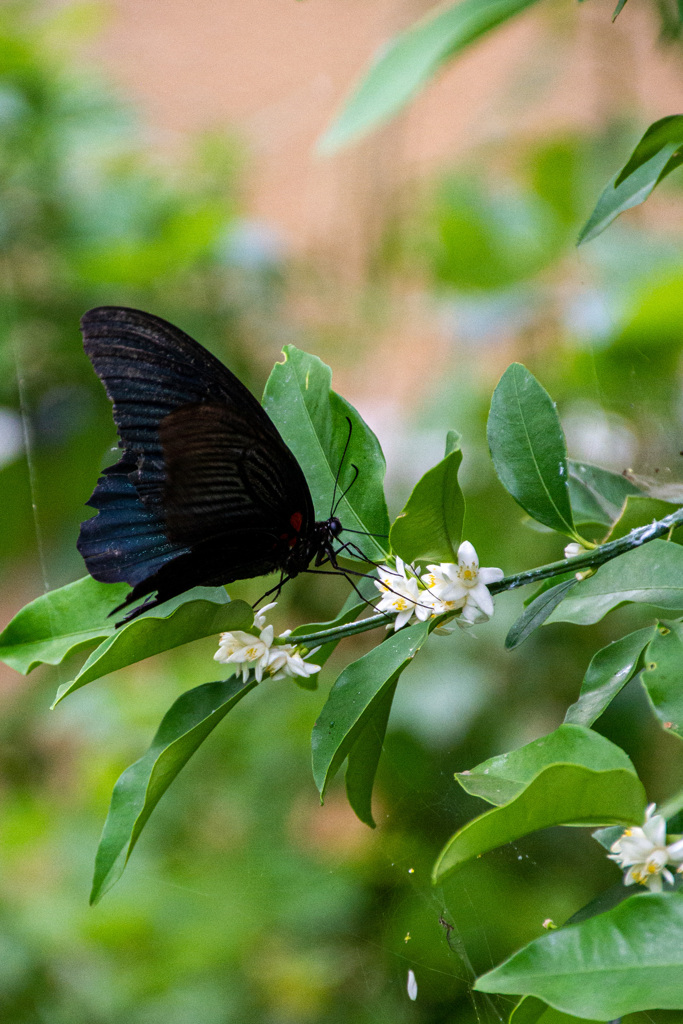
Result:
[[402, 618], [471, 615], [655, 829], [480, 596], [412, 986], [260, 616], [467, 555], [675, 852], [453, 592], [490, 575], [267, 635]]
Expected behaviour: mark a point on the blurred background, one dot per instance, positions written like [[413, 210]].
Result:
[[163, 156]]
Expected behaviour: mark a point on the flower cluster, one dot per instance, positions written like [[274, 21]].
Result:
[[447, 587], [262, 654], [643, 853]]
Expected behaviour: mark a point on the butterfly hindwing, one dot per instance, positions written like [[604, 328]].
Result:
[[125, 541]]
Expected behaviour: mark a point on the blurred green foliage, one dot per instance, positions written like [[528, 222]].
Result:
[[245, 899]]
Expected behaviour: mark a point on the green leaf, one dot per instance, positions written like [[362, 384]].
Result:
[[627, 959], [354, 699], [561, 794], [655, 156], [671, 809], [502, 778], [313, 422], [639, 510], [528, 448], [183, 729], [608, 898], [60, 623], [618, 9], [662, 134], [364, 758], [528, 1010], [535, 613], [609, 671], [406, 64], [176, 622], [651, 574], [430, 526], [596, 494], [662, 676]]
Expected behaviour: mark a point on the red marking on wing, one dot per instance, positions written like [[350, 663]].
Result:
[[296, 520]]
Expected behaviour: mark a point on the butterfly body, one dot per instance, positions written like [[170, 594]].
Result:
[[206, 491]]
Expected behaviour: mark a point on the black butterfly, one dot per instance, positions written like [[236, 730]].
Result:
[[206, 491]]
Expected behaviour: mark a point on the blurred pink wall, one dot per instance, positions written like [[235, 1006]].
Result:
[[276, 71]]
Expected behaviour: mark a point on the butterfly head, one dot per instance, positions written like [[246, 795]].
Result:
[[334, 527]]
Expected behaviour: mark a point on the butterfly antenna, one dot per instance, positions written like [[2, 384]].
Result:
[[341, 463], [343, 495]]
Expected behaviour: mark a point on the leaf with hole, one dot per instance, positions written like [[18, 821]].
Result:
[[662, 676]]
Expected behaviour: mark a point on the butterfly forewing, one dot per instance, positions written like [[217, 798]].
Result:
[[225, 474], [206, 491]]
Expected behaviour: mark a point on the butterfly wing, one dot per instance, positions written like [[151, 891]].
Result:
[[206, 491]]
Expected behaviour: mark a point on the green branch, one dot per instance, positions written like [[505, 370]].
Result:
[[580, 563]]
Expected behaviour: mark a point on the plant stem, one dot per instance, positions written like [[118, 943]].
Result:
[[589, 560], [593, 559]]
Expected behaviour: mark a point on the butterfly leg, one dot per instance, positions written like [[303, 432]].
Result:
[[284, 578], [347, 577]]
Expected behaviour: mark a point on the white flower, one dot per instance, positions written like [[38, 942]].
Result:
[[463, 585], [240, 648], [401, 594], [644, 854], [258, 652], [574, 549], [287, 660]]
